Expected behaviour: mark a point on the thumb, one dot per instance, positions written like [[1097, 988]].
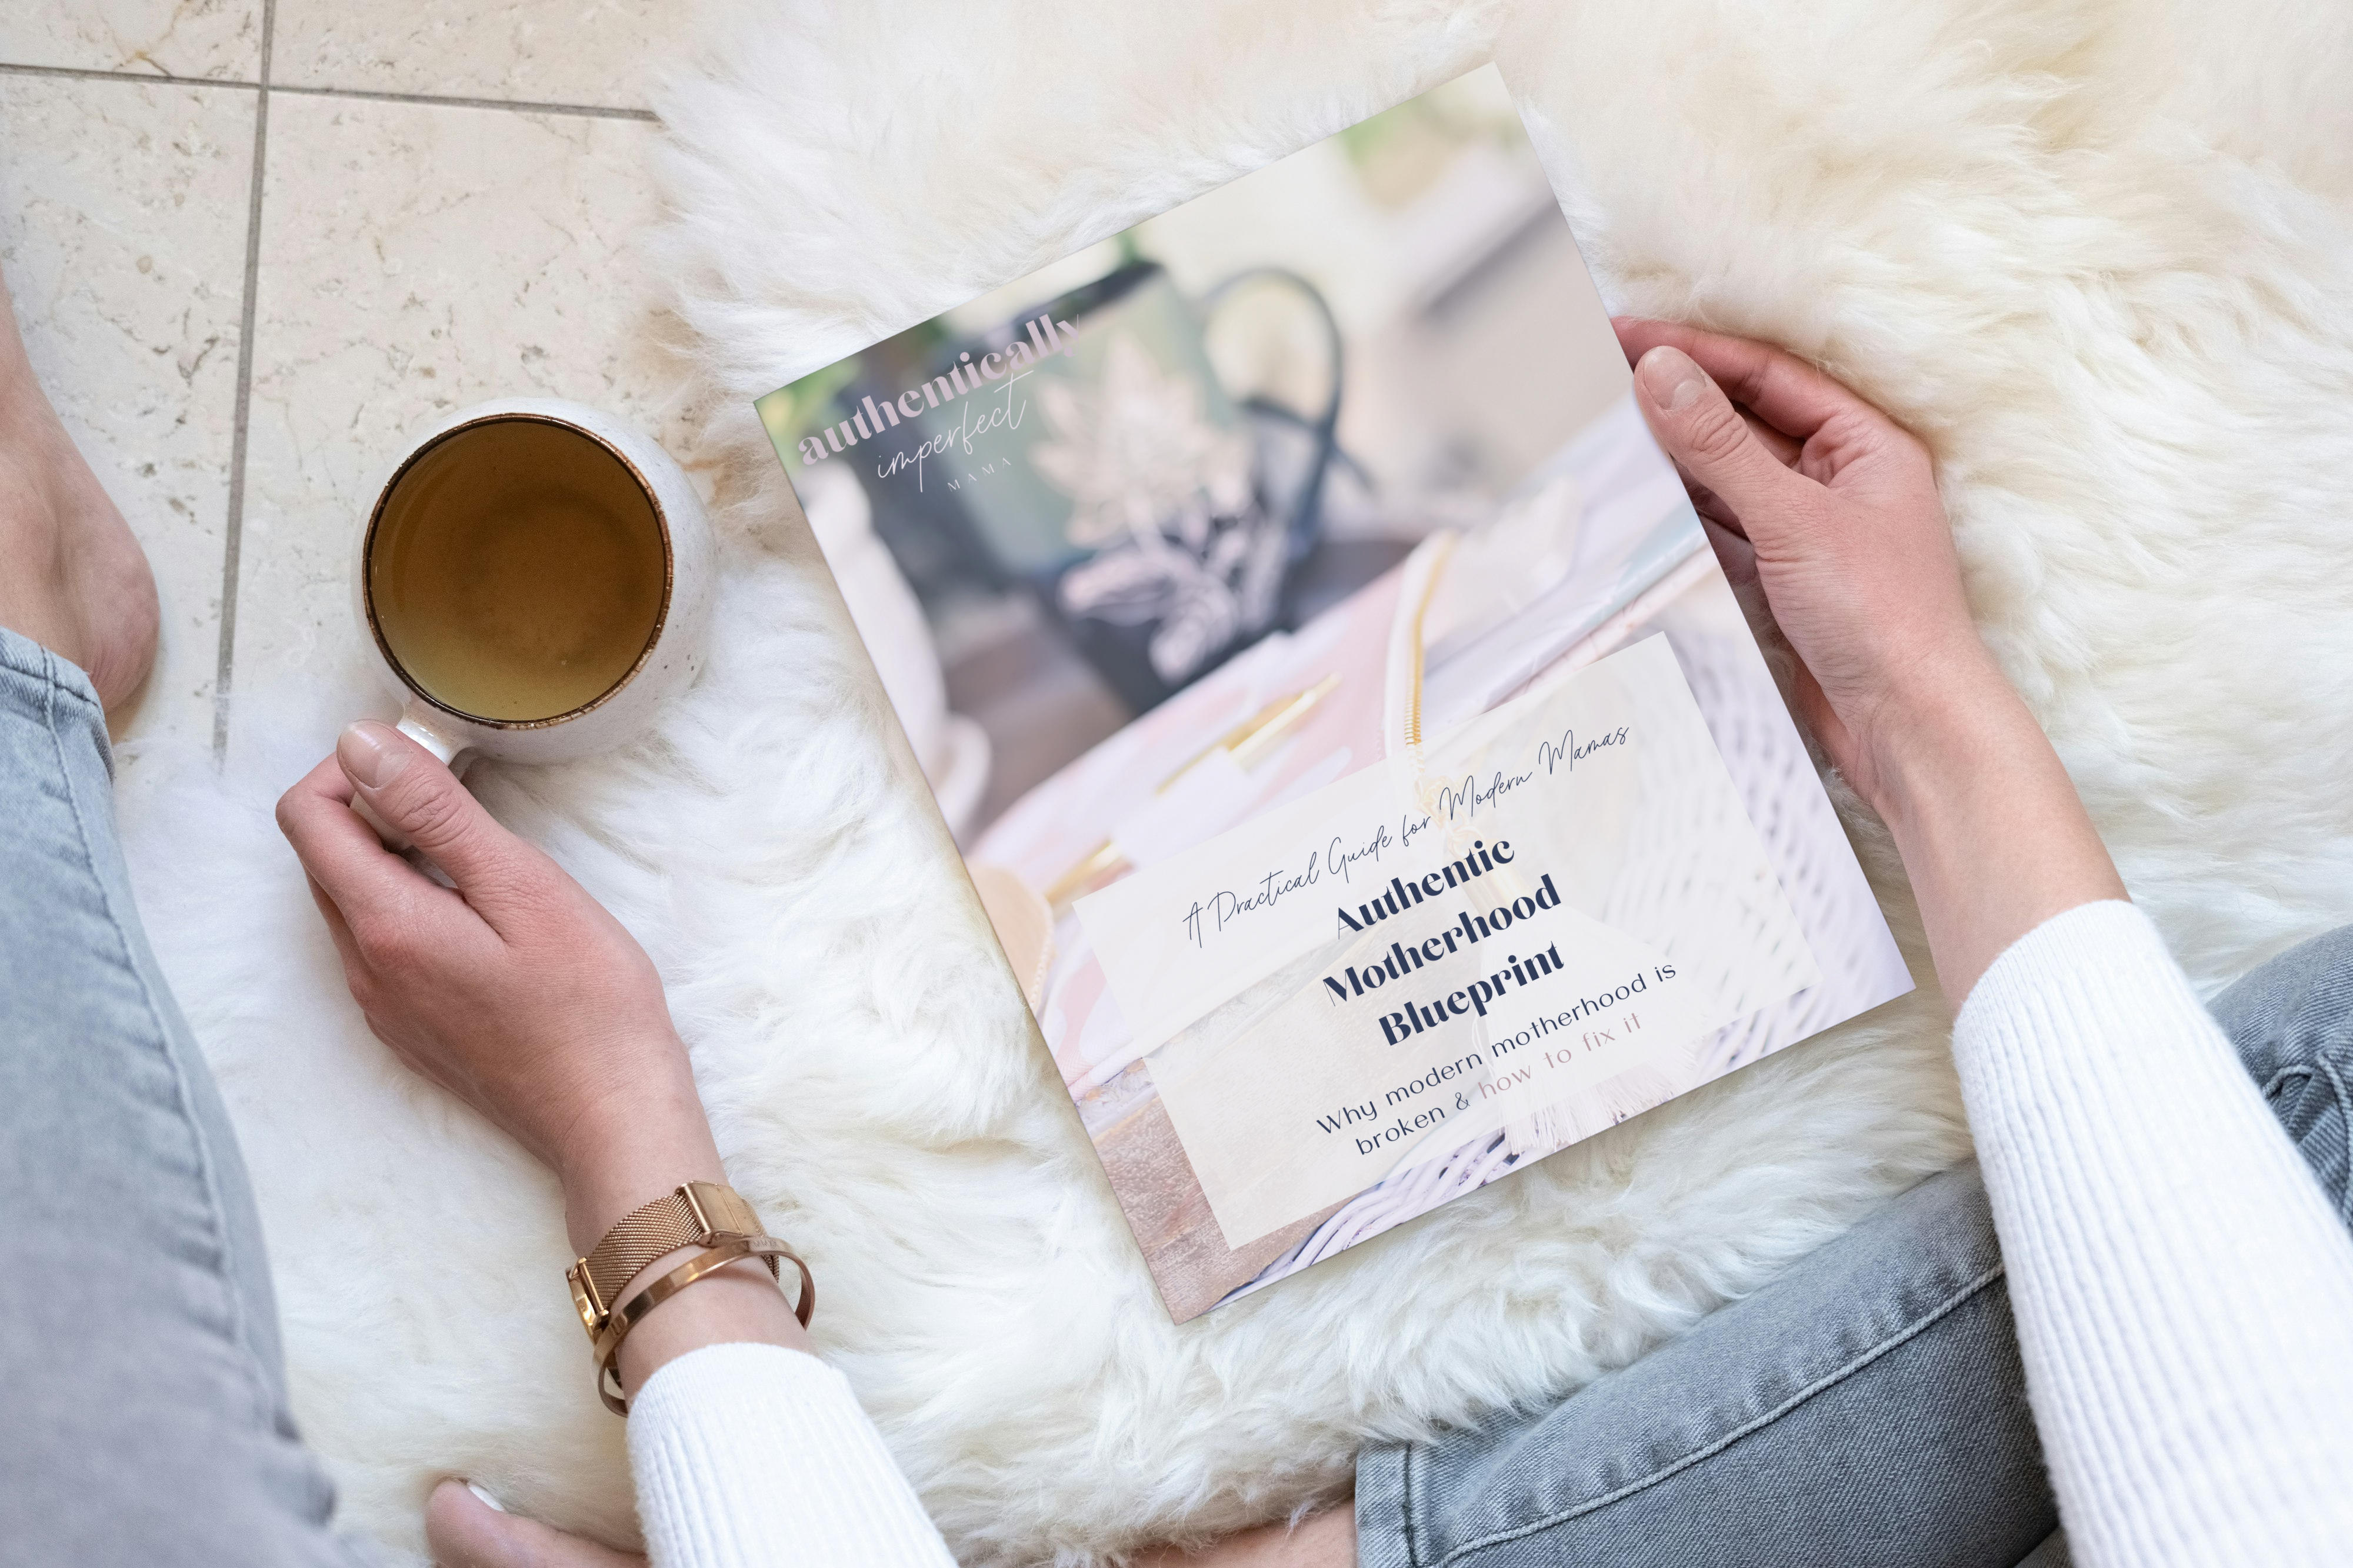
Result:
[[409, 788], [1707, 437]]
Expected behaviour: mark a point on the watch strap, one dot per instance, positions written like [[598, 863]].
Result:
[[695, 1213]]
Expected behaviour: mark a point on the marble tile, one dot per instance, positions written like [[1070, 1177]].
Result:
[[537, 51], [416, 259], [122, 227], [212, 40]]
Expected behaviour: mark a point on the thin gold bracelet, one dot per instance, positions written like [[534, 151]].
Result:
[[629, 1313]]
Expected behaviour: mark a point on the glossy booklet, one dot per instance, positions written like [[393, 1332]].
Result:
[[1344, 720]]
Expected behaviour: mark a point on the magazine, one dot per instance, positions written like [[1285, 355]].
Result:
[[1344, 720]]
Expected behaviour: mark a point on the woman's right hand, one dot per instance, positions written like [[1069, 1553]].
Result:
[[1829, 507]]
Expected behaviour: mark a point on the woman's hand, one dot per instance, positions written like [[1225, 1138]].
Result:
[[516, 992], [1829, 507], [521, 994]]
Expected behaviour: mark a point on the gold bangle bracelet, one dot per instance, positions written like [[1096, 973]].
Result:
[[629, 1313]]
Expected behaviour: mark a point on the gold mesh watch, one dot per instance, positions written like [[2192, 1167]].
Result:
[[694, 1215], [709, 1214]]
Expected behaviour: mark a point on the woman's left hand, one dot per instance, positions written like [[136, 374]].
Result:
[[524, 996], [515, 991]]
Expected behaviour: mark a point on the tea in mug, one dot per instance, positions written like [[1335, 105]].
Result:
[[516, 570]]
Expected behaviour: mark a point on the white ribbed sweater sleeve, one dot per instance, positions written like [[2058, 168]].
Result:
[[752, 1456], [2184, 1297]]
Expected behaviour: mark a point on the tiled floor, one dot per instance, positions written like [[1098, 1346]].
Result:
[[252, 243]]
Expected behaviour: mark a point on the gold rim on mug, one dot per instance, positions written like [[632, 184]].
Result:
[[368, 570]]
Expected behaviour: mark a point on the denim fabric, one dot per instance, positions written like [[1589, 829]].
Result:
[[2052, 1554], [1867, 1408], [2292, 1021], [146, 1418]]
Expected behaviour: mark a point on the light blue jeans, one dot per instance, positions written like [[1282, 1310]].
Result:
[[143, 1397], [1868, 1408]]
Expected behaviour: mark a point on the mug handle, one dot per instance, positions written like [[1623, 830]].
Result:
[[416, 723]]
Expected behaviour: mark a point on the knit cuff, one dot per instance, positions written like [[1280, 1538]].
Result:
[[2176, 1278], [749, 1455], [2072, 961]]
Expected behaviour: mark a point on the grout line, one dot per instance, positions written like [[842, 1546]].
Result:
[[231, 548], [520, 106], [152, 78], [428, 100]]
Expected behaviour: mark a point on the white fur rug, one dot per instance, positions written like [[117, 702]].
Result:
[[2101, 255]]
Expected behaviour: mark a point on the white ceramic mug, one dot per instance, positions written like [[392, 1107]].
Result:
[[664, 667]]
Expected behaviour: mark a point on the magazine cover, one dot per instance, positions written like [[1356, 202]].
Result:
[[1346, 724]]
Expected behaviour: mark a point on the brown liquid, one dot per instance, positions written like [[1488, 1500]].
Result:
[[517, 570]]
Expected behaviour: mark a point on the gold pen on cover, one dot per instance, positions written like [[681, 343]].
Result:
[[1260, 730], [1247, 741], [1105, 859]]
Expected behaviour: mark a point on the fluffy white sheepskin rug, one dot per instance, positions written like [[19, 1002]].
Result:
[[2100, 256]]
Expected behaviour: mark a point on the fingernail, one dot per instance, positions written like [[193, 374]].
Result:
[[1671, 377], [488, 1501], [372, 755]]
